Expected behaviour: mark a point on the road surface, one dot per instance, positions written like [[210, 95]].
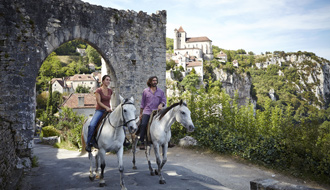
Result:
[[186, 169]]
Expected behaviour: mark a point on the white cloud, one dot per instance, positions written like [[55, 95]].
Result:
[[288, 25]]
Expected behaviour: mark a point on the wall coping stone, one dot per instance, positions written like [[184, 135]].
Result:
[[271, 184]]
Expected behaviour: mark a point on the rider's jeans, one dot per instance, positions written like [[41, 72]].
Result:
[[97, 116], [143, 129]]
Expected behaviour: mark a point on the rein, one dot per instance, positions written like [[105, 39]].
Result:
[[122, 114], [108, 117]]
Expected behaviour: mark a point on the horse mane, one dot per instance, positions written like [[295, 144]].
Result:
[[163, 112]]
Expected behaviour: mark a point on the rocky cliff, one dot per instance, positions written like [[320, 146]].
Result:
[[314, 74], [240, 83]]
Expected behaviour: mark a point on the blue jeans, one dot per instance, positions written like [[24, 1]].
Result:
[[144, 123], [92, 125]]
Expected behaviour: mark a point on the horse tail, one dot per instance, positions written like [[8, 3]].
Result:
[[83, 143]]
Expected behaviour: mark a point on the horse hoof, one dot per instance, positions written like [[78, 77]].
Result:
[[134, 168], [162, 181], [102, 184], [92, 178], [152, 173], [156, 172]]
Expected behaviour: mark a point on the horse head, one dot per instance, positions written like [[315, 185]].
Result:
[[128, 113], [183, 116]]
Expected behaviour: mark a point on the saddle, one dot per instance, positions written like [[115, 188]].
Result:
[[153, 113]]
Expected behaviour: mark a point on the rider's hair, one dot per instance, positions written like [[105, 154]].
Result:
[[149, 82], [104, 77]]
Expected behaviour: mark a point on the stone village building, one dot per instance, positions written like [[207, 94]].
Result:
[[81, 103], [69, 84], [222, 57], [190, 52], [200, 47]]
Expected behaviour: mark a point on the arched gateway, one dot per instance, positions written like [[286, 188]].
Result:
[[132, 45]]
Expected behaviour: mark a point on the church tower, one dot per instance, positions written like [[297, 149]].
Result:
[[179, 38]]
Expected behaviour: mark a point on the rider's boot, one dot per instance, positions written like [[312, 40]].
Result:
[[89, 143], [88, 147]]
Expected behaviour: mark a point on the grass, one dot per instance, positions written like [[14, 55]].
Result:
[[35, 162], [66, 145], [66, 59]]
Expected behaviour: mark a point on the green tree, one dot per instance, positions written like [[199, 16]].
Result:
[[190, 82], [193, 71], [82, 89], [70, 47], [51, 67], [93, 55], [169, 45], [181, 69], [57, 101], [241, 51], [216, 50], [42, 100], [170, 64], [50, 100], [70, 124]]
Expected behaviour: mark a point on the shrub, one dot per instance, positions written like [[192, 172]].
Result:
[[270, 137], [49, 131]]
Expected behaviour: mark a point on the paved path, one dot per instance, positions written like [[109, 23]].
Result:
[[185, 170]]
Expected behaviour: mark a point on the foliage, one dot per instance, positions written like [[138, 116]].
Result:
[[170, 64], [49, 108], [270, 136], [70, 47], [82, 89], [177, 75], [241, 51], [216, 50], [70, 124], [42, 100], [35, 162], [93, 55], [50, 68], [49, 131], [191, 81], [57, 101], [169, 45]]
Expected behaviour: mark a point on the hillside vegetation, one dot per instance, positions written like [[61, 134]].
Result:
[[290, 133]]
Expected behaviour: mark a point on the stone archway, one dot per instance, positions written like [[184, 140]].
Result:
[[131, 43]]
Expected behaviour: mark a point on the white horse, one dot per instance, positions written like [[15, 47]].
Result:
[[160, 133], [111, 137]]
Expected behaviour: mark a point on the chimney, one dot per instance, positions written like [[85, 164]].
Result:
[[81, 100]]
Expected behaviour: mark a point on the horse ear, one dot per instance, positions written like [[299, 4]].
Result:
[[121, 98], [181, 102], [132, 99]]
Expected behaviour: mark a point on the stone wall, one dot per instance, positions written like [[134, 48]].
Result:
[[131, 43]]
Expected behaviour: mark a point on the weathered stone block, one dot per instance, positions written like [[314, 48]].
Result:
[[271, 184]]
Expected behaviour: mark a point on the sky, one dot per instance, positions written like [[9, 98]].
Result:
[[252, 25]]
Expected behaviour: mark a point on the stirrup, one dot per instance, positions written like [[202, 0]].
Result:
[[88, 148]]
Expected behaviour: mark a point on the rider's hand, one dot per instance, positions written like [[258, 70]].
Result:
[[160, 106], [109, 110], [140, 116]]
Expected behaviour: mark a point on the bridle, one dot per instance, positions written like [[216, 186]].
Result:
[[122, 114]]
